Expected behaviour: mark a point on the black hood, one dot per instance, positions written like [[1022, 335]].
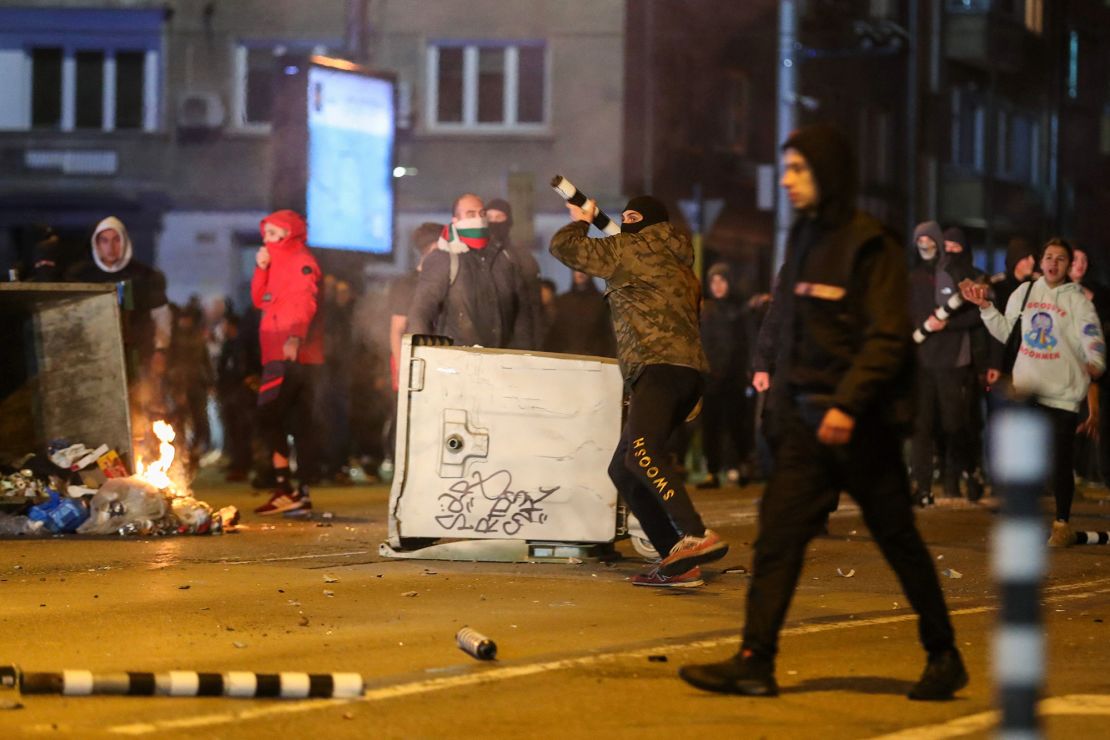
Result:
[[833, 163]]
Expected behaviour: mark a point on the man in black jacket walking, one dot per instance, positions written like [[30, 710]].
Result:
[[837, 413]]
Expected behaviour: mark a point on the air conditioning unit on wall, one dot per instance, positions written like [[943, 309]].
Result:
[[200, 111]]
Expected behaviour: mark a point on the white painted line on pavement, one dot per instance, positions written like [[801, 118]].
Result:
[[510, 672], [1072, 704], [294, 557]]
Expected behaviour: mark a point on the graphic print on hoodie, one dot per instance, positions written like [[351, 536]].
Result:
[[1060, 336]]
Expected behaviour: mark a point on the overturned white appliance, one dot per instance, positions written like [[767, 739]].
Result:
[[504, 454]]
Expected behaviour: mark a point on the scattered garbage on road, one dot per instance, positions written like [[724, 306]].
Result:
[[73, 489]]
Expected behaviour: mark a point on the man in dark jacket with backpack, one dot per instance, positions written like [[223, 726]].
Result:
[[469, 287]]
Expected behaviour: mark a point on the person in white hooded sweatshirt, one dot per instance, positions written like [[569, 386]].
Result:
[[147, 318], [1062, 349]]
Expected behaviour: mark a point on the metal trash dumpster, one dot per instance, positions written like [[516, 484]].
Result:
[[504, 450], [62, 370]]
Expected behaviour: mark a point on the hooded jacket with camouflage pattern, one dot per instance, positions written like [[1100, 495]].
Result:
[[653, 295]]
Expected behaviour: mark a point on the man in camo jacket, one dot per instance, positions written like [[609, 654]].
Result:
[[654, 299]]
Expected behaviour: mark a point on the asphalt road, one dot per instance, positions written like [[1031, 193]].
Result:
[[582, 653]]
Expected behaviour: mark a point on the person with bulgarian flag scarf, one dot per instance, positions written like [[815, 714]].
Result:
[[469, 288]]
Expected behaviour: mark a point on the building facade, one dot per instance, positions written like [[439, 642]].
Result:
[[991, 115], [161, 114]]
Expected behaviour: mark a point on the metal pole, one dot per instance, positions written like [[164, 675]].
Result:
[[911, 116], [785, 123], [1021, 451], [649, 98]]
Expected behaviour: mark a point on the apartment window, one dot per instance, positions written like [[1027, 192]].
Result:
[[92, 89], [487, 85], [46, 87], [1018, 146], [967, 129], [80, 69], [130, 84], [737, 110], [875, 143], [255, 66], [1034, 16]]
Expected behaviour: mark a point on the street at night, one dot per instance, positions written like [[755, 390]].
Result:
[[555, 369], [581, 653]]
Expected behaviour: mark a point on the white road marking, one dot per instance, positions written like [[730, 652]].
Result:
[[293, 557], [509, 672], [1072, 704]]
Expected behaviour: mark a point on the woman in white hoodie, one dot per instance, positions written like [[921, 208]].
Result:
[[1062, 349]]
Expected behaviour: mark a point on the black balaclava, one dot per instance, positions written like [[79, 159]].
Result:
[[830, 157], [958, 264], [499, 232], [652, 209]]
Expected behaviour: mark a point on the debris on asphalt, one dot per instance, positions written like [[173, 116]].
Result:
[[475, 644], [657, 658], [409, 593], [330, 579], [736, 569], [851, 572], [186, 587], [303, 621], [328, 593], [951, 573], [75, 489], [239, 644]]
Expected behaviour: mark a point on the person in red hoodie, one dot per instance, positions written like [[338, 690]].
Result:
[[284, 287]]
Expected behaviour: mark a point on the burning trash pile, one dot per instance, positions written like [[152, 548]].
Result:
[[42, 496]]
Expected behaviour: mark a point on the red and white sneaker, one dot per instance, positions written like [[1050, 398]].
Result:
[[691, 551], [285, 502], [689, 579]]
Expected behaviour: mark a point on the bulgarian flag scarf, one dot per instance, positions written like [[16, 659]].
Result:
[[468, 233]]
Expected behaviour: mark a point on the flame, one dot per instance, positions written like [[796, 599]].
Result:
[[156, 472]]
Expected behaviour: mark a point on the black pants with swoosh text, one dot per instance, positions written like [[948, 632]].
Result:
[[641, 468]]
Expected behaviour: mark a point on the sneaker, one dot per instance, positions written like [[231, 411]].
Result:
[[1062, 535], [691, 551], [689, 579], [742, 674], [285, 501], [943, 676]]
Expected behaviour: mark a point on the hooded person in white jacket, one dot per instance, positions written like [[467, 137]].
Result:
[[147, 320], [1062, 349]]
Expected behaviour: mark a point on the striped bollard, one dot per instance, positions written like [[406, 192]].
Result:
[[1021, 453], [566, 189], [234, 684]]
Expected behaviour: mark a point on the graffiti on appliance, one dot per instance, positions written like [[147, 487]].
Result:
[[488, 505]]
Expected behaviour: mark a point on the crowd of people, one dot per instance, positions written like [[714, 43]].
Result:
[[312, 356], [813, 386]]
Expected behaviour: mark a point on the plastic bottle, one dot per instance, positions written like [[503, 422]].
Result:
[[59, 515], [476, 644]]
